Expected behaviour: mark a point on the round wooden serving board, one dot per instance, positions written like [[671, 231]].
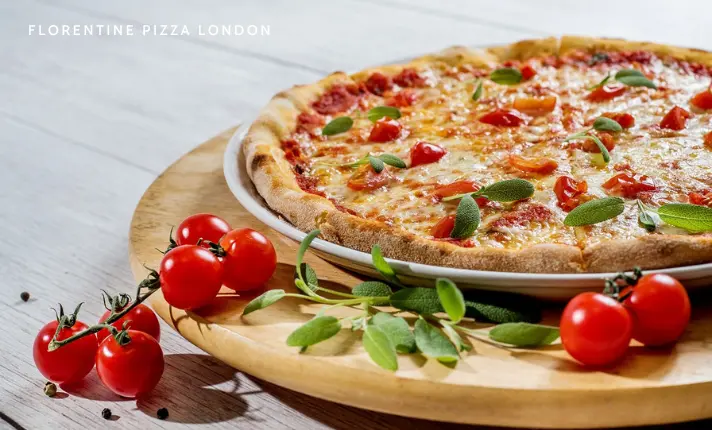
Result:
[[491, 385]]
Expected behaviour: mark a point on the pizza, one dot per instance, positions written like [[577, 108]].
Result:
[[558, 155]]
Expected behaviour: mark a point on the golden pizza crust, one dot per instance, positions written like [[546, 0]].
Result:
[[275, 181]]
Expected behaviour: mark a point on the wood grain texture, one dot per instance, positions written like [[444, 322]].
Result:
[[545, 386], [86, 123]]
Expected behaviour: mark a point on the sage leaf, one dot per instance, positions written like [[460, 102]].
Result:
[[524, 334], [337, 125], [478, 92], [502, 308], [693, 218], [308, 275], [509, 190], [373, 289], [422, 300], [379, 348], [376, 163], [467, 218], [381, 111], [433, 344], [595, 211], [451, 299], [383, 267], [455, 338], [603, 123], [303, 249], [601, 147], [637, 81], [645, 217], [603, 82], [265, 299], [392, 160], [314, 331], [628, 72], [397, 330], [506, 76]]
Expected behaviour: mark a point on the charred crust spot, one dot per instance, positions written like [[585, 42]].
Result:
[[258, 161]]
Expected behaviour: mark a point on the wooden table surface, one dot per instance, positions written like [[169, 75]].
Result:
[[87, 123]]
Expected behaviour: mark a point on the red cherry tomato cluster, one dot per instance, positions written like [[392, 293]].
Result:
[[596, 329], [206, 255]]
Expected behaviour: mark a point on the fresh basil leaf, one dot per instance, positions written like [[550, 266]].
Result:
[[478, 92], [379, 348], [506, 76], [265, 299], [397, 330], [376, 163], [502, 308], [373, 289], [637, 81], [693, 218], [451, 299], [392, 160], [381, 111], [433, 344], [509, 190], [455, 337], [383, 267], [595, 211], [308, 239], [467, 218], [606, 124], [645, 217], [314, 331], [628, 73], [337, 125], [422, 300], [524, 334]]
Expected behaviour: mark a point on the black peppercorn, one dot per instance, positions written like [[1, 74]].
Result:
[[162, 414], [106, 413], [25, 296]]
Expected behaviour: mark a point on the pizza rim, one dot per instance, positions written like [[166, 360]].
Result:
[[277, 184]]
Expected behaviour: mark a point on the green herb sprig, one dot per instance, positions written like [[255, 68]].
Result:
[[629, 77], [437, 332], [601, 123], [376, 161], [343, 124]]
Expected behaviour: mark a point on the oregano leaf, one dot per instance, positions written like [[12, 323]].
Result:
[[422, 300], [337, 125], [603, 123], [376, 163], [478, 91], [693, 218], [467, 218], [392, 160], [380, 348], [451, 299], [506, 76], [314, 331], [433, 344], [595, 211], [524, 334], [373, 289], [397, 330], [382, 111], [265, 299]]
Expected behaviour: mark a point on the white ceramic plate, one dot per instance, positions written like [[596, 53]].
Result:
[[547, 286]]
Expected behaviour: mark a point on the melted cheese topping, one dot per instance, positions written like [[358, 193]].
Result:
[[445, 114]]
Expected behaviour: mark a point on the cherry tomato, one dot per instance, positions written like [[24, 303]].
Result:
[[444, 227], [702, 100], [568, 192], [628, 185], [595, 329], [459, 187], [190, 276], [606, 92], [625, 120], [708, 139], [527, 71], [385, 130], [425, 153], [141, 318], [69, 363], [250, 261], [504, 118], [675, 119], [201, 226], [535, 106], [534, 165], [378, 83], [402, 98], [366, 179], [409, 78], [660, 309], [132, 369]]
